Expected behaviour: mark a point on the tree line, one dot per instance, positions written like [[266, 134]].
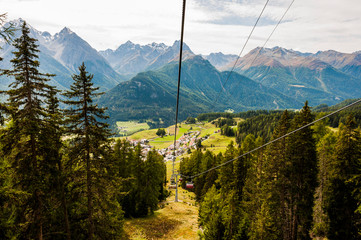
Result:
[[61, 175], [248, 114], [304, 186]]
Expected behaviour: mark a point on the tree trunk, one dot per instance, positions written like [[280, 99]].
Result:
[[63, 202], [89, 196]]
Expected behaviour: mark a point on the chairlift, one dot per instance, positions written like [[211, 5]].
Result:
[[190, 185], [172, 185]]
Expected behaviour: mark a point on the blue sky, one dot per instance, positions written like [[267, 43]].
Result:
[[211, 25]]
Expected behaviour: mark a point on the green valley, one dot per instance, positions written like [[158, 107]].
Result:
[[152, 95], [266, 145]]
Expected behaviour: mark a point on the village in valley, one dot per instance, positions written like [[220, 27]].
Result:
[[184, 144], [190, 136]]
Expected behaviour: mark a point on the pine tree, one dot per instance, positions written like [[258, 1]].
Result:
[[138, 166], [209, 161], [123, 167], [340, 201], [258, 197], [326, 153], [225, 176], [210, 215], [153, 179], [89, 154], [200, 181], [52, 146], [301, 176], [23, 138], [143, 179], [275, 179]]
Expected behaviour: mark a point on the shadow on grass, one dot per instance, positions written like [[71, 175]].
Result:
[[152, 227]]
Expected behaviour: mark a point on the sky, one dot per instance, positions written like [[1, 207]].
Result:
[[210, 25]]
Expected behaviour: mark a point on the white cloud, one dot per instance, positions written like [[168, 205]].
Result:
[[211, 25]]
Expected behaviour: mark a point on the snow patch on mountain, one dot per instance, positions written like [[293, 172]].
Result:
[[62, 54]]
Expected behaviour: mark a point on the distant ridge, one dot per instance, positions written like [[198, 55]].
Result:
[[152, 94], [325, 77], [279, 78], [62, 54], [130, 59]]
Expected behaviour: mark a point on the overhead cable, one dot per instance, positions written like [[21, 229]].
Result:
[[269, 37], [274, 140], [239, 55], [179, 79]]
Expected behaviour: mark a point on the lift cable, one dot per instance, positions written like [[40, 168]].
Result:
[[179, 81], [274, 140], [254, 59], [239, 55], [274, 29], [269, 37]]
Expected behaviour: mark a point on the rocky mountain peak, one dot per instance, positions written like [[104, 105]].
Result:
[[66, 30], [176, 45]]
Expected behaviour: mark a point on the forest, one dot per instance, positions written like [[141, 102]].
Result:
[[63, 177], [303, 186]]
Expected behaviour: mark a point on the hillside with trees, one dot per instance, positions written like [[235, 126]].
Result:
[[61, 175], [152, 94], [64, 176], [304, 186]]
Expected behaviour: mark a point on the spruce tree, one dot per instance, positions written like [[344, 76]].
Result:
[[210, 215], [23, 138], [153, 179], [326, 156], [340, 201], [138, 166], [53, 131], [225, 176], [275, 179], [301, 176], [258, 197], [209, 161], [122, 156], [90, 160]]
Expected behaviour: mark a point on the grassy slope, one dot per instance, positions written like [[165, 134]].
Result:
[[218, 142], [164, 142], [174, 220], [131, 127], [147, 134]]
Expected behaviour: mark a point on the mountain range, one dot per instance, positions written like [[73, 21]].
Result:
[[62, 54], [152, 94], [324, 77], [129, 58], [140, 80]]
